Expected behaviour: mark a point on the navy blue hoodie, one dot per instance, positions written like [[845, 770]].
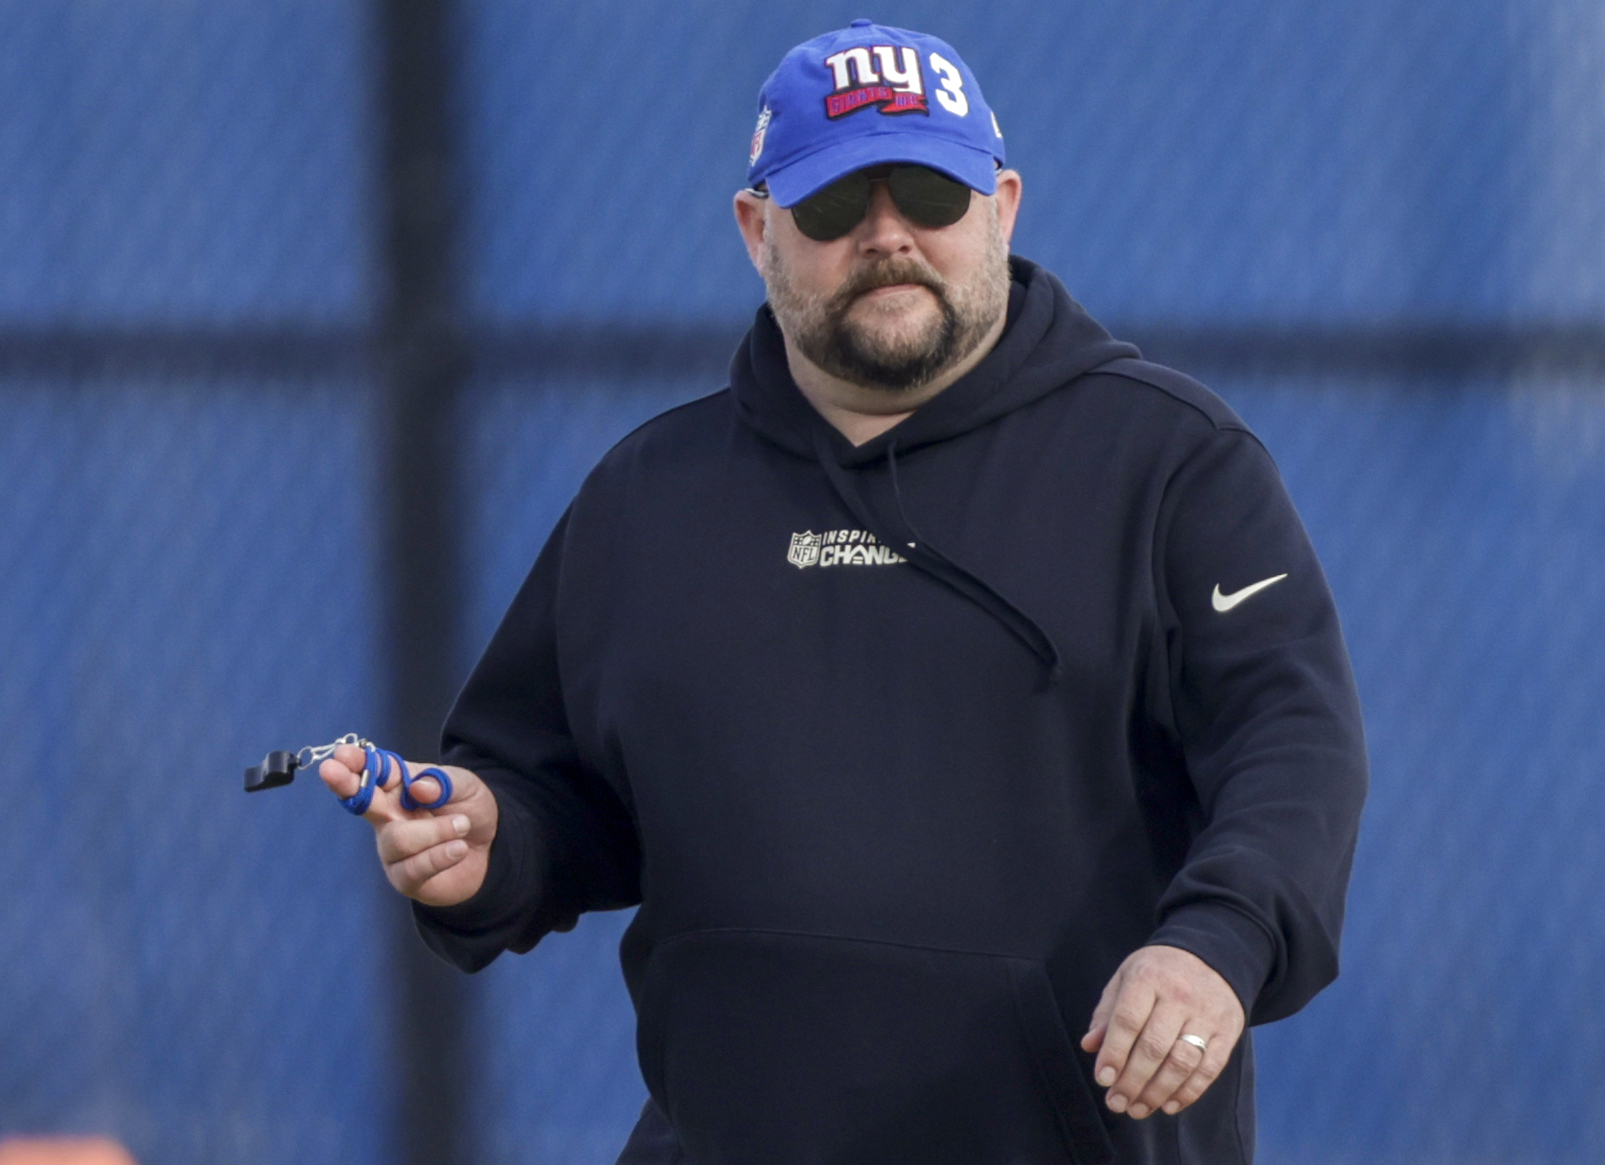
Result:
[[903, 747]]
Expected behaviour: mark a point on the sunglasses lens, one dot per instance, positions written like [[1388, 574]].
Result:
[[929, 198], [832, 212]]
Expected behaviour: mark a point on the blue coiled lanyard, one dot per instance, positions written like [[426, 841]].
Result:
[[376, 775], [279, 768]]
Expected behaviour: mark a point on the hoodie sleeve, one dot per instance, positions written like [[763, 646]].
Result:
[[1268, 719], [565, 843]]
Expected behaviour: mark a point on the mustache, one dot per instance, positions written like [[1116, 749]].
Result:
[[887, 273]]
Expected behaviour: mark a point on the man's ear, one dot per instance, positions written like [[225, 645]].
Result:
[[1008, 202], [752, 220]]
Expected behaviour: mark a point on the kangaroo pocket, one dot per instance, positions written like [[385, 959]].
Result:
[[784, 1049]]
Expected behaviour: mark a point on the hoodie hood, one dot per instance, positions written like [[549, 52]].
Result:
[[1049, 340]]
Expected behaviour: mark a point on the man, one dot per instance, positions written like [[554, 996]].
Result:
[[952, 682]]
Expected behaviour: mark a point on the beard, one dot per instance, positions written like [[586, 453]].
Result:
[[872, 351]]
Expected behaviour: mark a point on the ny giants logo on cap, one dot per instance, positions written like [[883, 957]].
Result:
[[806, 136], [887, 76]]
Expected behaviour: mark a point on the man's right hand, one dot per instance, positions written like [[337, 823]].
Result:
[[437, 856]]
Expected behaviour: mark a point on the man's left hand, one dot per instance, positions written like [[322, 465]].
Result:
[[1158, 995]]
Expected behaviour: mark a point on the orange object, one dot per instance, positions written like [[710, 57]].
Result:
[[63, 1151]]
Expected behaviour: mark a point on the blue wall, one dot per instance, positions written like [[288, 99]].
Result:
[[191, 555]]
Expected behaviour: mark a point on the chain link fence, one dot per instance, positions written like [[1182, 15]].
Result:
[[1378, 231], [181, 596], [1460, 522]]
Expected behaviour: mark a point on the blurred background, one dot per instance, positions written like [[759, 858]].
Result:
[[314, 313]]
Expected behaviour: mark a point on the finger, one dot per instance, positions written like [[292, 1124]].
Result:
[[343, 774], [1177, 1067], [400, 840], [353, 756], [409, 875], [342, 779], [1128, 1015], [1211, 1064], [1160, 1031]]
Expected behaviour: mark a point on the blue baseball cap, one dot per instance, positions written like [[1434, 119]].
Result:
[[866, 95]]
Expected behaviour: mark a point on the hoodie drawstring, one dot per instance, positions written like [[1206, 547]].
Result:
[[919, 551]]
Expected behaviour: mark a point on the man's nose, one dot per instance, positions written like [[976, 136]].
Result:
[[884, 229]]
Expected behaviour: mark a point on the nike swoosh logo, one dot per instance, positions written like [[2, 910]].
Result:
[[1225, 603]]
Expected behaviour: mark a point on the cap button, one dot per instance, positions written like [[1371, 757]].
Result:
[[862, 22]]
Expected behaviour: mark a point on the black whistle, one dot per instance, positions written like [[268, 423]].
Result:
[[277, 768]]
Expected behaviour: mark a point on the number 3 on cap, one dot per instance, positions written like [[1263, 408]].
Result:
[[951, 95]]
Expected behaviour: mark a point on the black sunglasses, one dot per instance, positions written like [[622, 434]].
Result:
[[926, 198]]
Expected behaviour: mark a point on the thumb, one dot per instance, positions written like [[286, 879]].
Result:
[[1099, 1026], [426, 790]]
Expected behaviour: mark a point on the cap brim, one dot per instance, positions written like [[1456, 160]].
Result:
[[791, 183]]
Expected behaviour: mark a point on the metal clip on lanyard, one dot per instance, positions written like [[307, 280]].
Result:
[[278, 768]]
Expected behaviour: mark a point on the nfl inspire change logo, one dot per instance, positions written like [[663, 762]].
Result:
[[840, 548], [804, 549]]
